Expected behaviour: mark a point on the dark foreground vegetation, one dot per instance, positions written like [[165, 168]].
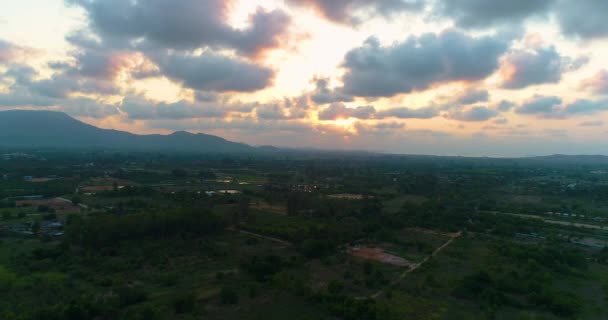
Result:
[[104, 235]]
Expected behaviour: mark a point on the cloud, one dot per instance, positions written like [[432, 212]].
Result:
[[598, 83], [419, 62], [339, 111], [389, 125], [58, 86], [407, 113], [7, 51], [345, 11], [523, 68], [184, 24], [591, 123], [583, 19], [139, 108], [501, 121], [476, 113], [77, 107], [539, 105], [505, 105], [270, 112], [483, 13], [553, 107], [584, 106], [214, 72], [472, 95], [11, 52], [323, 95]]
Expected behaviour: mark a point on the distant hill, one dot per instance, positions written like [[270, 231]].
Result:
[[574, 159], [49, 129]]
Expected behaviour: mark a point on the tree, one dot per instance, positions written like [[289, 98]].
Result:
[[35, 227], [244, 206], [179, 173], [229, 296]]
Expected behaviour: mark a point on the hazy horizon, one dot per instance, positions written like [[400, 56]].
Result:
[[460, 77]]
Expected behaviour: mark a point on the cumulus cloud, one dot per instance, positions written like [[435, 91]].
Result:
[[323, 95], [505, 105], [139, 108], [214, 72], [585, 106], [476, 113], [7, 51], [420, 62], [339, 111], [539, 105], [583, 19], [598, 83], [184, 24], [483, 13], [523, 68], [472, 95], [345, 11], [270, 112], [554, 107], [10, 52], [58, 86], [408, 113]]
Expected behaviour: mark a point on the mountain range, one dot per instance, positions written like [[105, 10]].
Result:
[[31, 129], [50, 129]]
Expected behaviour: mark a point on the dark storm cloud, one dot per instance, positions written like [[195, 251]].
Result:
[[184, 24], [539, 105], [477, 113], [583, 19], [484, 13], [544, 65], [344, 11], [419, 62], [214, 72]]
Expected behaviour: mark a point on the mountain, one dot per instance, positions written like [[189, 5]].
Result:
[[49, 129]]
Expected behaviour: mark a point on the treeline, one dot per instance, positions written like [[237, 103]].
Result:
[[522, 277], [107, 230]]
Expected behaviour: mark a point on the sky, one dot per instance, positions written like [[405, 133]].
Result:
[[444, 77]]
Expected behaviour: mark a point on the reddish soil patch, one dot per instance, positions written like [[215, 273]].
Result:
[[58, 204], [378, 254]]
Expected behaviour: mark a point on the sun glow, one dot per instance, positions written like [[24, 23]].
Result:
[[345, 124]]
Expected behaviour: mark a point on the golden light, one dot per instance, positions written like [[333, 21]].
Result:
[[345, 124]]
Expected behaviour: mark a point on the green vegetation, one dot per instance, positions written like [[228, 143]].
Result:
[[153, 236]]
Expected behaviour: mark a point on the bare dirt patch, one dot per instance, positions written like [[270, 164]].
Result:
[[378, 254]]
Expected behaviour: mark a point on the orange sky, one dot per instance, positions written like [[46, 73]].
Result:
[[418, 76]]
